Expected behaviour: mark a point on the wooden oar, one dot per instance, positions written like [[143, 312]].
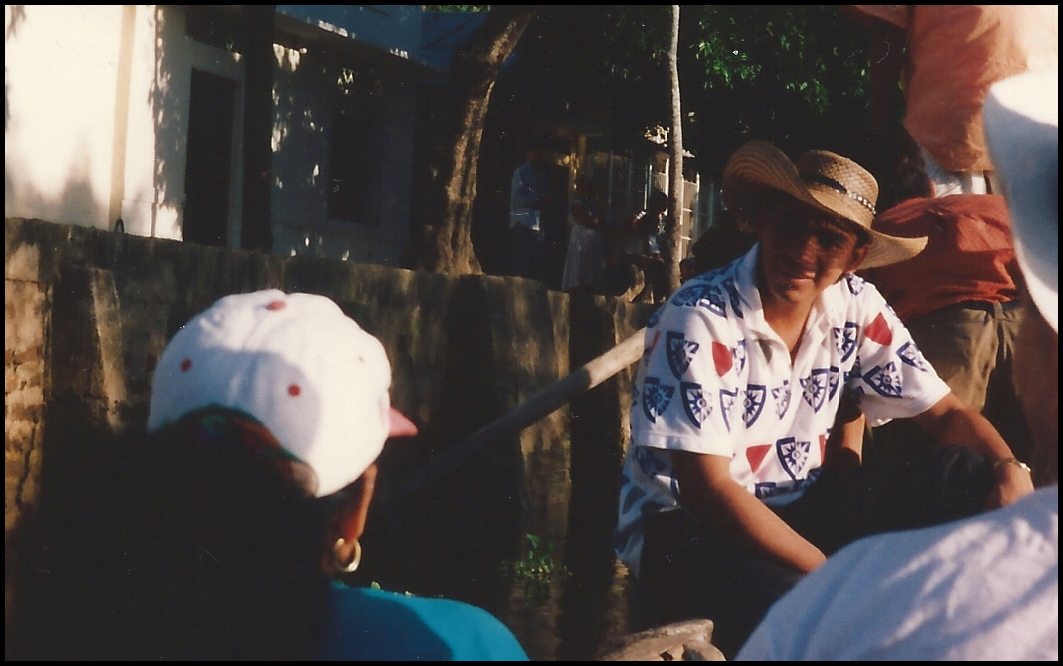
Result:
[[541, 404]]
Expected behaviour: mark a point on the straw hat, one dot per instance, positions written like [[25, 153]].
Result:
[[824, 180]]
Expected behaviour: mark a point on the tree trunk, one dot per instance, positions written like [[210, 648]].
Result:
[[256, 232], [670, 247], [443, 244]]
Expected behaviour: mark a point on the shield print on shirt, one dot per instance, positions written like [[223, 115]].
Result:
[[885, 380], [855, 284], [727, 403], [695, 402], [793, 455], [835, 380], [782, 398], [754, 403], [680, 353], [713, 300], [911, 355], [732, 293], [688, 296], [650, 464], [845, 339], [655, 398], [815, 388], [739, 353], [703, 295], [855, 372]]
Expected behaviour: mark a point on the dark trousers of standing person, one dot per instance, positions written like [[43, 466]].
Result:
[[526, 252], [693, 570]]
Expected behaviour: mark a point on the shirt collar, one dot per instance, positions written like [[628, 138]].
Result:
[[745, 277]]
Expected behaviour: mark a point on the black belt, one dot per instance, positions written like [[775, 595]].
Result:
[[985, 306]]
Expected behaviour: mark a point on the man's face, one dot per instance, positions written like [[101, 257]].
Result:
[[804, 251]]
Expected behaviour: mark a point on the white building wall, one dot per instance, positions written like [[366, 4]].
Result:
[[59, 111], [162, 126], [138, 187], [96, 127], [96, 115]]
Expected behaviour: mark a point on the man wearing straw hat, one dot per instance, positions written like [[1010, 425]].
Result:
[[987, 587], [726, 500]]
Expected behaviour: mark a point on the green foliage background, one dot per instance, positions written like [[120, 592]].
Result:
[[795, 75]]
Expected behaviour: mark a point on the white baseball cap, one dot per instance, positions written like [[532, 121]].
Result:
[[295, 363], [1021, 116]]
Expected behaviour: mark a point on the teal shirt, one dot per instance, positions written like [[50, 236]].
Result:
[[372, 624]]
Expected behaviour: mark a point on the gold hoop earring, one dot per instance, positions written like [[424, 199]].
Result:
[[350, 565]]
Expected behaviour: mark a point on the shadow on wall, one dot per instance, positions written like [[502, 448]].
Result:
[[16, 15], [69, 204], [171, 123]]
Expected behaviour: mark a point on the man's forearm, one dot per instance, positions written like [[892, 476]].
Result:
[[748, 517], [717, 500], [952, 422]]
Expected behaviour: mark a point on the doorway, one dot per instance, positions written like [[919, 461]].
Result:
[[208, 166]]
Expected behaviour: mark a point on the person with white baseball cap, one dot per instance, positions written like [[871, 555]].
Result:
[[267, 413], [986, 587]]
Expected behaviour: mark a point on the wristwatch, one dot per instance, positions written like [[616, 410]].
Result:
[[1014, 461]]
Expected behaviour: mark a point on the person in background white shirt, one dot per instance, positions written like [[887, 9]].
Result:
[[527, 197]]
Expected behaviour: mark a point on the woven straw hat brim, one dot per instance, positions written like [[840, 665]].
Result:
[[759, 164]]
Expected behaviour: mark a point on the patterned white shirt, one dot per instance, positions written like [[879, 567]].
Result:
[[716, 378]]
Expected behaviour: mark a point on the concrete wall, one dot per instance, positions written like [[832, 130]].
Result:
[[88, 313]]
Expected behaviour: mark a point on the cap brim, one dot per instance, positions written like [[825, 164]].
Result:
[[399, 425]]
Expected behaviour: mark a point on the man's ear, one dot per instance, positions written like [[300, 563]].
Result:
[[859, 254]]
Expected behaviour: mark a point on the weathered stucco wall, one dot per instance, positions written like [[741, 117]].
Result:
[[88, 312]]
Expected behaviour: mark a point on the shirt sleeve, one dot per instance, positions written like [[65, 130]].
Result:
[[891, 378], [686, 388]]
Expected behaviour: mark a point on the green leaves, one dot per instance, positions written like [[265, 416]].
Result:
[[790, 74], [538, 568]]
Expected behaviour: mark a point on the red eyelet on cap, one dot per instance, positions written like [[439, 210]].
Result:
[[186, 364], [276, 305], [294, 390]]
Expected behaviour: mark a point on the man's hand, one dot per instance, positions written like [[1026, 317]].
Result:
[[1013, 482], [952, 422]]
